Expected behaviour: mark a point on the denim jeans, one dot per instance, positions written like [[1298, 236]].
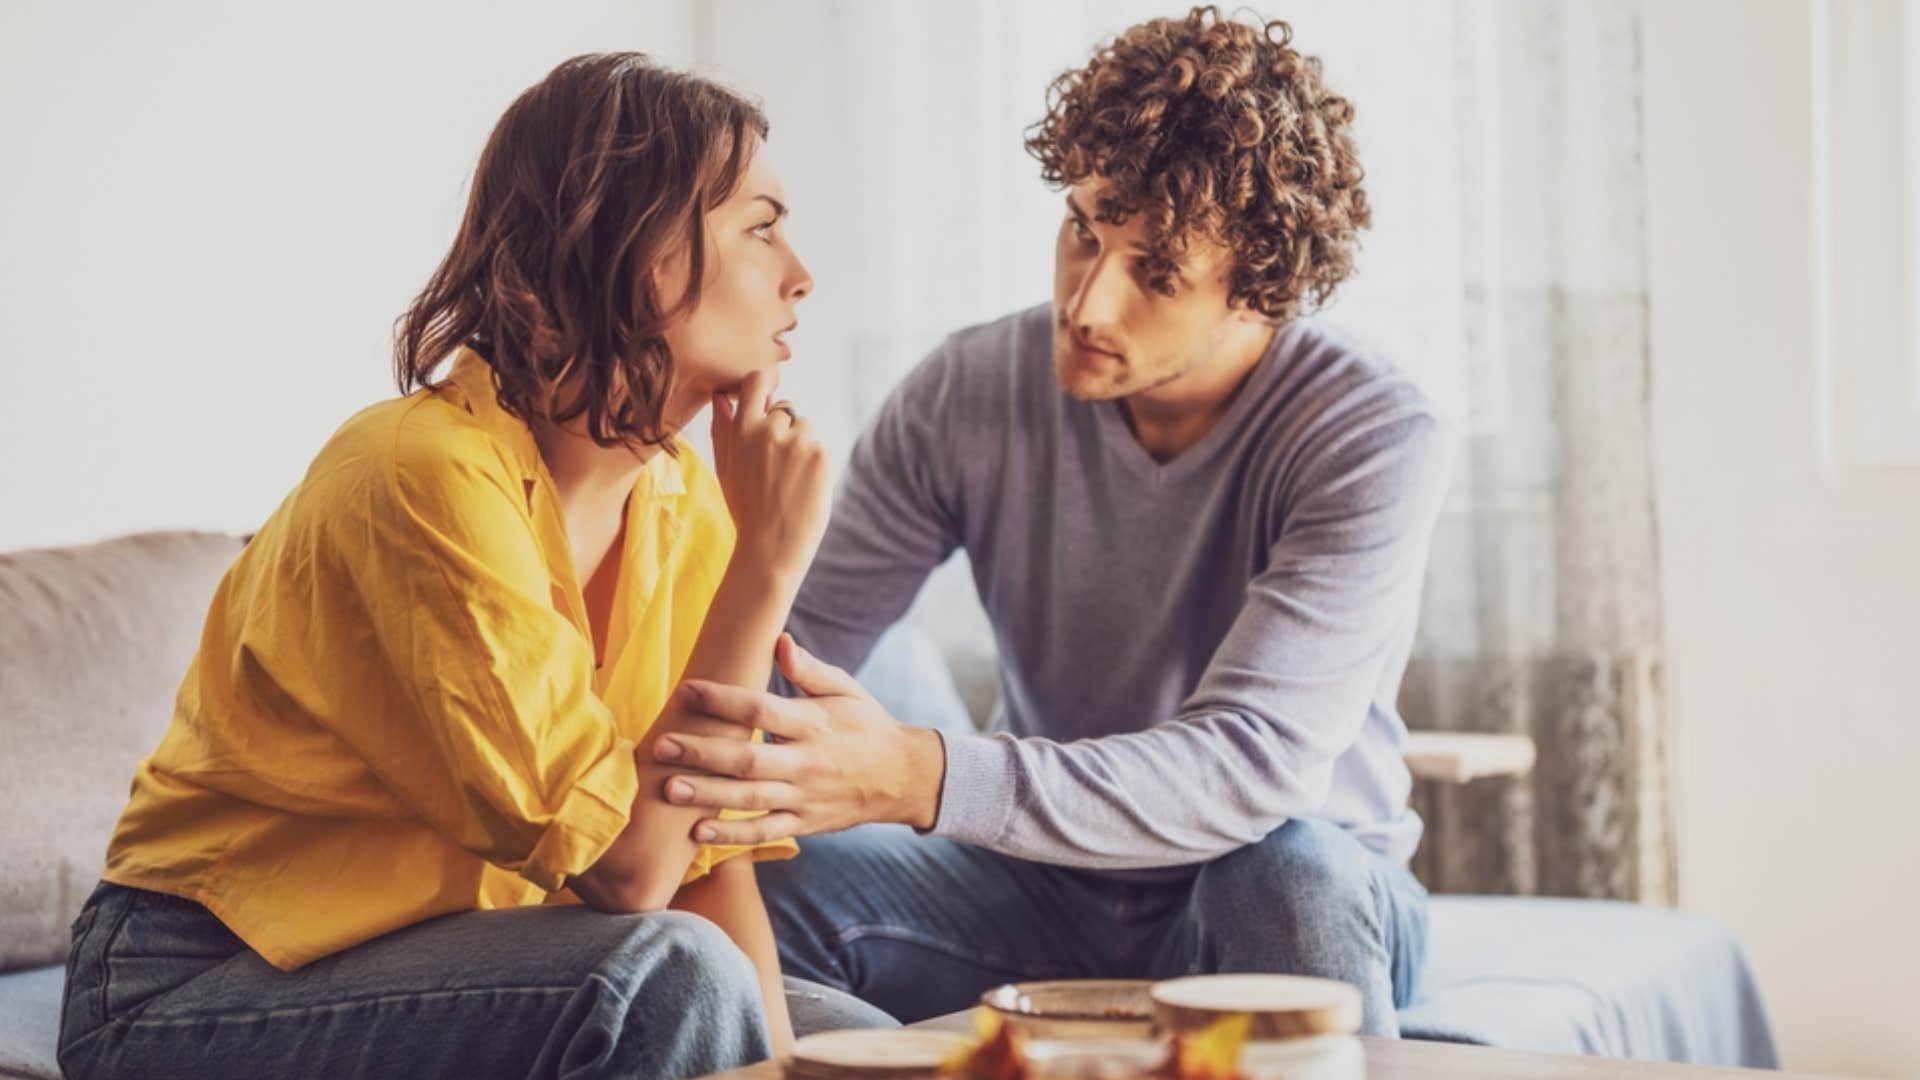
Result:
[[922, 926], [158, 987]]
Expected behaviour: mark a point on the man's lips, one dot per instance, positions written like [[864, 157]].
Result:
[[1094, 350]]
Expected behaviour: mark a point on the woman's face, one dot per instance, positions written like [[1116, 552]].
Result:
[[754, 280]]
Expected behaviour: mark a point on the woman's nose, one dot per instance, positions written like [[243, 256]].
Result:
[[799, 281]]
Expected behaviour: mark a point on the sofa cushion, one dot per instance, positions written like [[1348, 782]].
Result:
[[30, 1023], [93, 644], [906, 674], [1565, 976]]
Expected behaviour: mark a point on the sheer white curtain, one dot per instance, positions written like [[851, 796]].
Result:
[[1543, 607], [1504, 272]]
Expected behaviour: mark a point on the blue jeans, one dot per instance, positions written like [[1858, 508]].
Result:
[[921, 926], [158, 987]]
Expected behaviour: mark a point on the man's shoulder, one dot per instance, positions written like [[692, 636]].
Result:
[[985, 366], [1329, 364], [1027, 330], [1339, 409]]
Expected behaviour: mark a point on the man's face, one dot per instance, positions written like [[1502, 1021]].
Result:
[[1114, 335]]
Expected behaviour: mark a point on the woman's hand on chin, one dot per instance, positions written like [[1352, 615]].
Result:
[[775, 476]]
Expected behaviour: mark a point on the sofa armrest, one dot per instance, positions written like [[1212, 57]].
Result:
[[1455, 757]]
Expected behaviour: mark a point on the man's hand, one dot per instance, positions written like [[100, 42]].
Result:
[[842, 761]]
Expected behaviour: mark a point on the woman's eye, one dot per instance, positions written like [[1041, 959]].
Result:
[[764, 230]]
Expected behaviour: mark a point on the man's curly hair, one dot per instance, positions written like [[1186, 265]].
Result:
[[1218, 130]]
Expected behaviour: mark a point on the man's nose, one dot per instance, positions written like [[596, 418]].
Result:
[[1096, 302]]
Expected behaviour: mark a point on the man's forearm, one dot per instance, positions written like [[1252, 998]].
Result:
[[1178, 793]]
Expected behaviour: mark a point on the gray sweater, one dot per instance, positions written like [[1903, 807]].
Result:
[[1191, 652]]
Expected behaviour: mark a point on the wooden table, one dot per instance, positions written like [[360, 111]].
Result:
[[1408, 1059]]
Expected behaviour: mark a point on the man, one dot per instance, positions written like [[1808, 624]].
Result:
[[1198, 525]]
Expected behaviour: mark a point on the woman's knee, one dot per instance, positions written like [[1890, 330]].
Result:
[[671, 996], [680, 955]]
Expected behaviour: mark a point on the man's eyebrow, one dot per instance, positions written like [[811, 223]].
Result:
[[779, 208], [1138, 247]]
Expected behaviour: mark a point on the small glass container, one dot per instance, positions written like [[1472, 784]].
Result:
[[1316, 1057], [1074, 1008], [1296, 1028], [1095, 1059]]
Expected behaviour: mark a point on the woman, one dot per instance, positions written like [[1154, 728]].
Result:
[[418, 727]]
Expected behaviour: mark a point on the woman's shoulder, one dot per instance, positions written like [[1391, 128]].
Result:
[[421, 448]]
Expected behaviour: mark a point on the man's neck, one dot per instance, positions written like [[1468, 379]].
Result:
[[1171, 417]]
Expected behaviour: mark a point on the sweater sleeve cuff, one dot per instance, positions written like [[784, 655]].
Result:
[[977, 800], [590, 817]]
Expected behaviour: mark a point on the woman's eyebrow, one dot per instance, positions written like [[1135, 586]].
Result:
[[779, 208]]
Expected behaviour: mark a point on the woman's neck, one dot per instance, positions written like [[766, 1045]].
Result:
[[590, 475], [586, 473]]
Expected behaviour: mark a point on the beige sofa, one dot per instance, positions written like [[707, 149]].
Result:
[[93, 641]]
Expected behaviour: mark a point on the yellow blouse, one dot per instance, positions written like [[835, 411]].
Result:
[[395, 711]]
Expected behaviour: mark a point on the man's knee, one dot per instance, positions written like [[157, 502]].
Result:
[[1307, 869]]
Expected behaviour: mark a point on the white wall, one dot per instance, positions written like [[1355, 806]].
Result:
[[1792, 583], [211, 213]]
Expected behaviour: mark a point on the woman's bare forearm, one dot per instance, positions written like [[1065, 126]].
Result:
[[643, 868], [730, 898]]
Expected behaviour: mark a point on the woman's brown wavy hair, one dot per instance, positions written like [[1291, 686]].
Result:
[[1220, 130], [594, 176]]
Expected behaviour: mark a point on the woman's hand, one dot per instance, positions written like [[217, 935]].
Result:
[[775, 477]]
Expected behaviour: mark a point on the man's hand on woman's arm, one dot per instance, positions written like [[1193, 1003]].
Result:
[[842, 761]]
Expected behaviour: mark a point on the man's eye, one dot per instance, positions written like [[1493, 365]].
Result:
[[1080, 230]]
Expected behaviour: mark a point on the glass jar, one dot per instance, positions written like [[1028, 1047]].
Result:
[[1315, 1057]]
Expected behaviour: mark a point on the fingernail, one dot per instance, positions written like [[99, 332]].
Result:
[[667, 750], [704, 832], [679, 791], [689, 694]]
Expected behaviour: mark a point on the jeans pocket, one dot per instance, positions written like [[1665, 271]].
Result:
[[82, 1003], [81, 924]]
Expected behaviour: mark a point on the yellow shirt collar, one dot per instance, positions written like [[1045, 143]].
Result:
[[473, 378]]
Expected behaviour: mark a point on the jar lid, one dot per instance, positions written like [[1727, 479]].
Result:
[[1281, 1006], [891, 1053]]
